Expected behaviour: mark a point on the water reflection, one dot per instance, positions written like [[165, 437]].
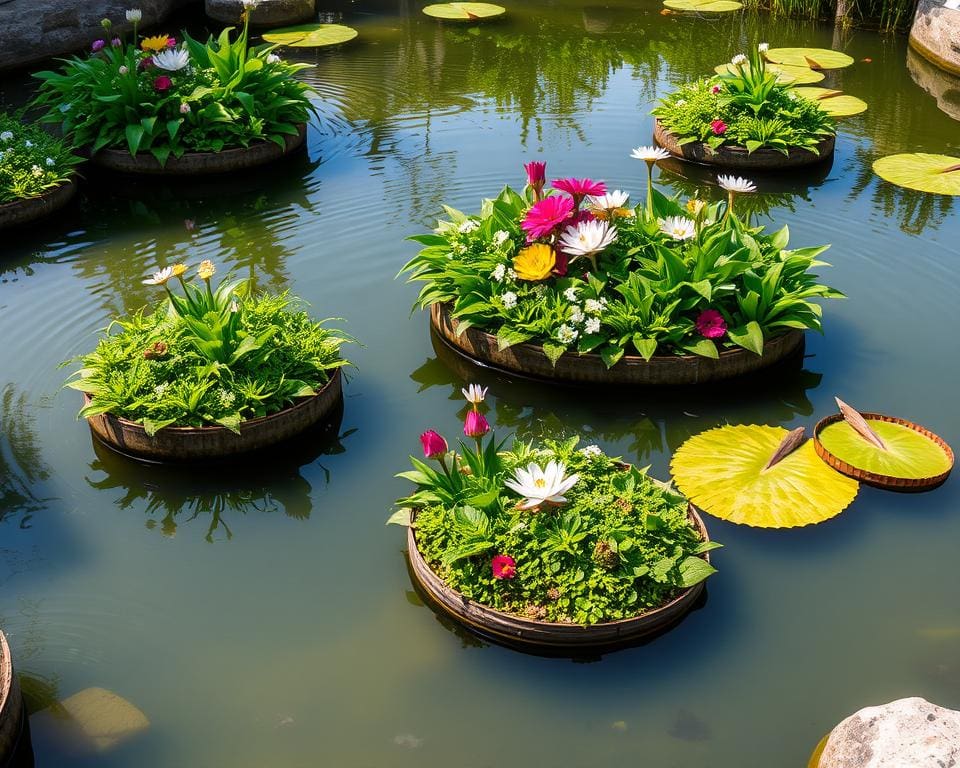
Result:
[[941, 85], [22, 470], [175, 495]]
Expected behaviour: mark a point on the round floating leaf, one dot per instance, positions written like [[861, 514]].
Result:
[[464, 11], [786, 73], [834, 103], [310, 35], [814, 58], [725, 472], [905, 453], [703, 6], [939, 174]]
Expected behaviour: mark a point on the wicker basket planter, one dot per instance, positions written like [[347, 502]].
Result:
[[529, 359], [546, 637], [738, 158], [872, 478], [33, 208], [12, 717], [200, 163], [215, 442]]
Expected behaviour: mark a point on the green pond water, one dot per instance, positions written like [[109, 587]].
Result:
[[261, 614]]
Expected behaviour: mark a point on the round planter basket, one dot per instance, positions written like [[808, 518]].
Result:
[[215, 442], [738, 158], [529, 360], [200, 163], [886, 482], [546, 637], [33, 208], [12, 718]]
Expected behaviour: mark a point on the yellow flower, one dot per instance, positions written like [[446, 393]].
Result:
[[206, 269], [179, 269], [154, 44], [535, 262], [695, 205]]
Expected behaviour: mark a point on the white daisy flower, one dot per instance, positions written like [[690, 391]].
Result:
[[678, 227], [739, 60], [650, 154], [134, 15], [474, 393], [736, 184], [172, 60], [588, 238], [609, 201]]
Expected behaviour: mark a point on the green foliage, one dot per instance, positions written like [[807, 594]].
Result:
[[31, 160], [622, 545], [209, 357], [228, 95]]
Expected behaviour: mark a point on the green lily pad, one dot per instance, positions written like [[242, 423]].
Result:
[[703, 6], [939, 174], [727, 472], [787, 74], [310, 35], [834, 103], [814, 58], [464, 11], [906, 453]]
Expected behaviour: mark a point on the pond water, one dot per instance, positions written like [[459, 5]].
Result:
[[261, 615]]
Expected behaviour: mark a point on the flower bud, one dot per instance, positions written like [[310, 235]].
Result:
[[434, 446], [475, 425]]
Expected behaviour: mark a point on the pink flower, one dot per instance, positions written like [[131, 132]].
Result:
[[184, 108], [719, 127], [116, 43], [162, 83], [711, 325], [536, 173], [434, 446], [171, 42], [715, 89], [98, 45], [504, 567], [547, 215], [475, 425], [579, 188], [146, 62]]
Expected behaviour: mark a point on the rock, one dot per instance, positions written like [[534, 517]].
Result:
[[33, 30], [936, 33], [945, 88], [907, 733], [269, 13]]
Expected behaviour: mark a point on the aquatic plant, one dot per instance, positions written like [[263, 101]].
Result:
[[31, 160]]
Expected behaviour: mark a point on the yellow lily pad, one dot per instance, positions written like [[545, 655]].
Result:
[[311, 35], [906, 453], [814, 58], [787, 74], [939, 174], [834, 103], [703, 6], [725, 472], [464, 11]]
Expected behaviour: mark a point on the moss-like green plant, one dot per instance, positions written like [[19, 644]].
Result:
[[31, 160]]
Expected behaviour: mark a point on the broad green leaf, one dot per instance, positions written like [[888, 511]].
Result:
[[939, 174], [464, 11], [906, 454], [703, 6], [703, 348], [834, 103], [723, 471], [814, 58], [400, 517], [310, 35], [693, 570], [748, 336]]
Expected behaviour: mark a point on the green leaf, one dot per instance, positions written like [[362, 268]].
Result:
[[553, 351], [703, 347], [749, 336], [401, 517], [693, 570], [134, 137], [311, 35]]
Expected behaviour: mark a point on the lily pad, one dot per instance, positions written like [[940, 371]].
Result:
[[834, 103], [464, 11], [939, 174], [814, 58], [734, 473], [310, 35], [787, 74], [703, 6]]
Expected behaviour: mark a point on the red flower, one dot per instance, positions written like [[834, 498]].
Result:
[[560, 267], [547, 215], [475, 425], [580, 188], [719, 127], [146, 62], [434, 446], [715, 89], [711, 325], [162, 83], [504, 567], [171, 42], [536, 173]]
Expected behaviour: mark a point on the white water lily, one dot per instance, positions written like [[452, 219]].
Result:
[[160, 278], [739, 60], [474, 393], [542, 485], [609, 201], [134, 15], [650, 154], [678, 227], [736, 184], [172, 60], [588, 238]]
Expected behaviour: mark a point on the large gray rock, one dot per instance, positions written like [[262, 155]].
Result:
[[268, 13], [33, 30], [907, 733], [936, 33]]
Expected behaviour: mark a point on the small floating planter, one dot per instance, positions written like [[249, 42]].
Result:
[[12, 714], [311, 35], [516, 546], [209, 373], [162, 105], [717, 121], [937, 174], [575, 283], [36, 172], [883, 451], [464, 12]]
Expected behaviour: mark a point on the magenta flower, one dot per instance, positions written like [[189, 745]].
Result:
[[560, 267], [171, 42], [715, 89], [547, 215], [536, 173], [146, 62], [162, 83], [434, 446], [475, 425], [580, 188], [98, 45], [710, 324], [504, 567], [719, 127]]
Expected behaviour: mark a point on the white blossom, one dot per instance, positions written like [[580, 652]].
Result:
[[763, 47], [576, 316], [592, 325], [499, 272], [500, 237], [736, 184], [591, 450], [739, 60], [509, 300], [272, 58], [134, 15], [469, 226], [593, 306], [566, 334], [570, 294]]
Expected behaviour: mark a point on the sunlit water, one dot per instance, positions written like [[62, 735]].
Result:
[[263, 616]]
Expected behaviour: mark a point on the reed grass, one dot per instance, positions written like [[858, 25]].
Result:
[[888, 15]]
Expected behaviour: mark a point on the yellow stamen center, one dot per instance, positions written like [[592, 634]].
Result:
[[540, 482]]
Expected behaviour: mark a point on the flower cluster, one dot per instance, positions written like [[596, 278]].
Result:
[[31, 160]]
